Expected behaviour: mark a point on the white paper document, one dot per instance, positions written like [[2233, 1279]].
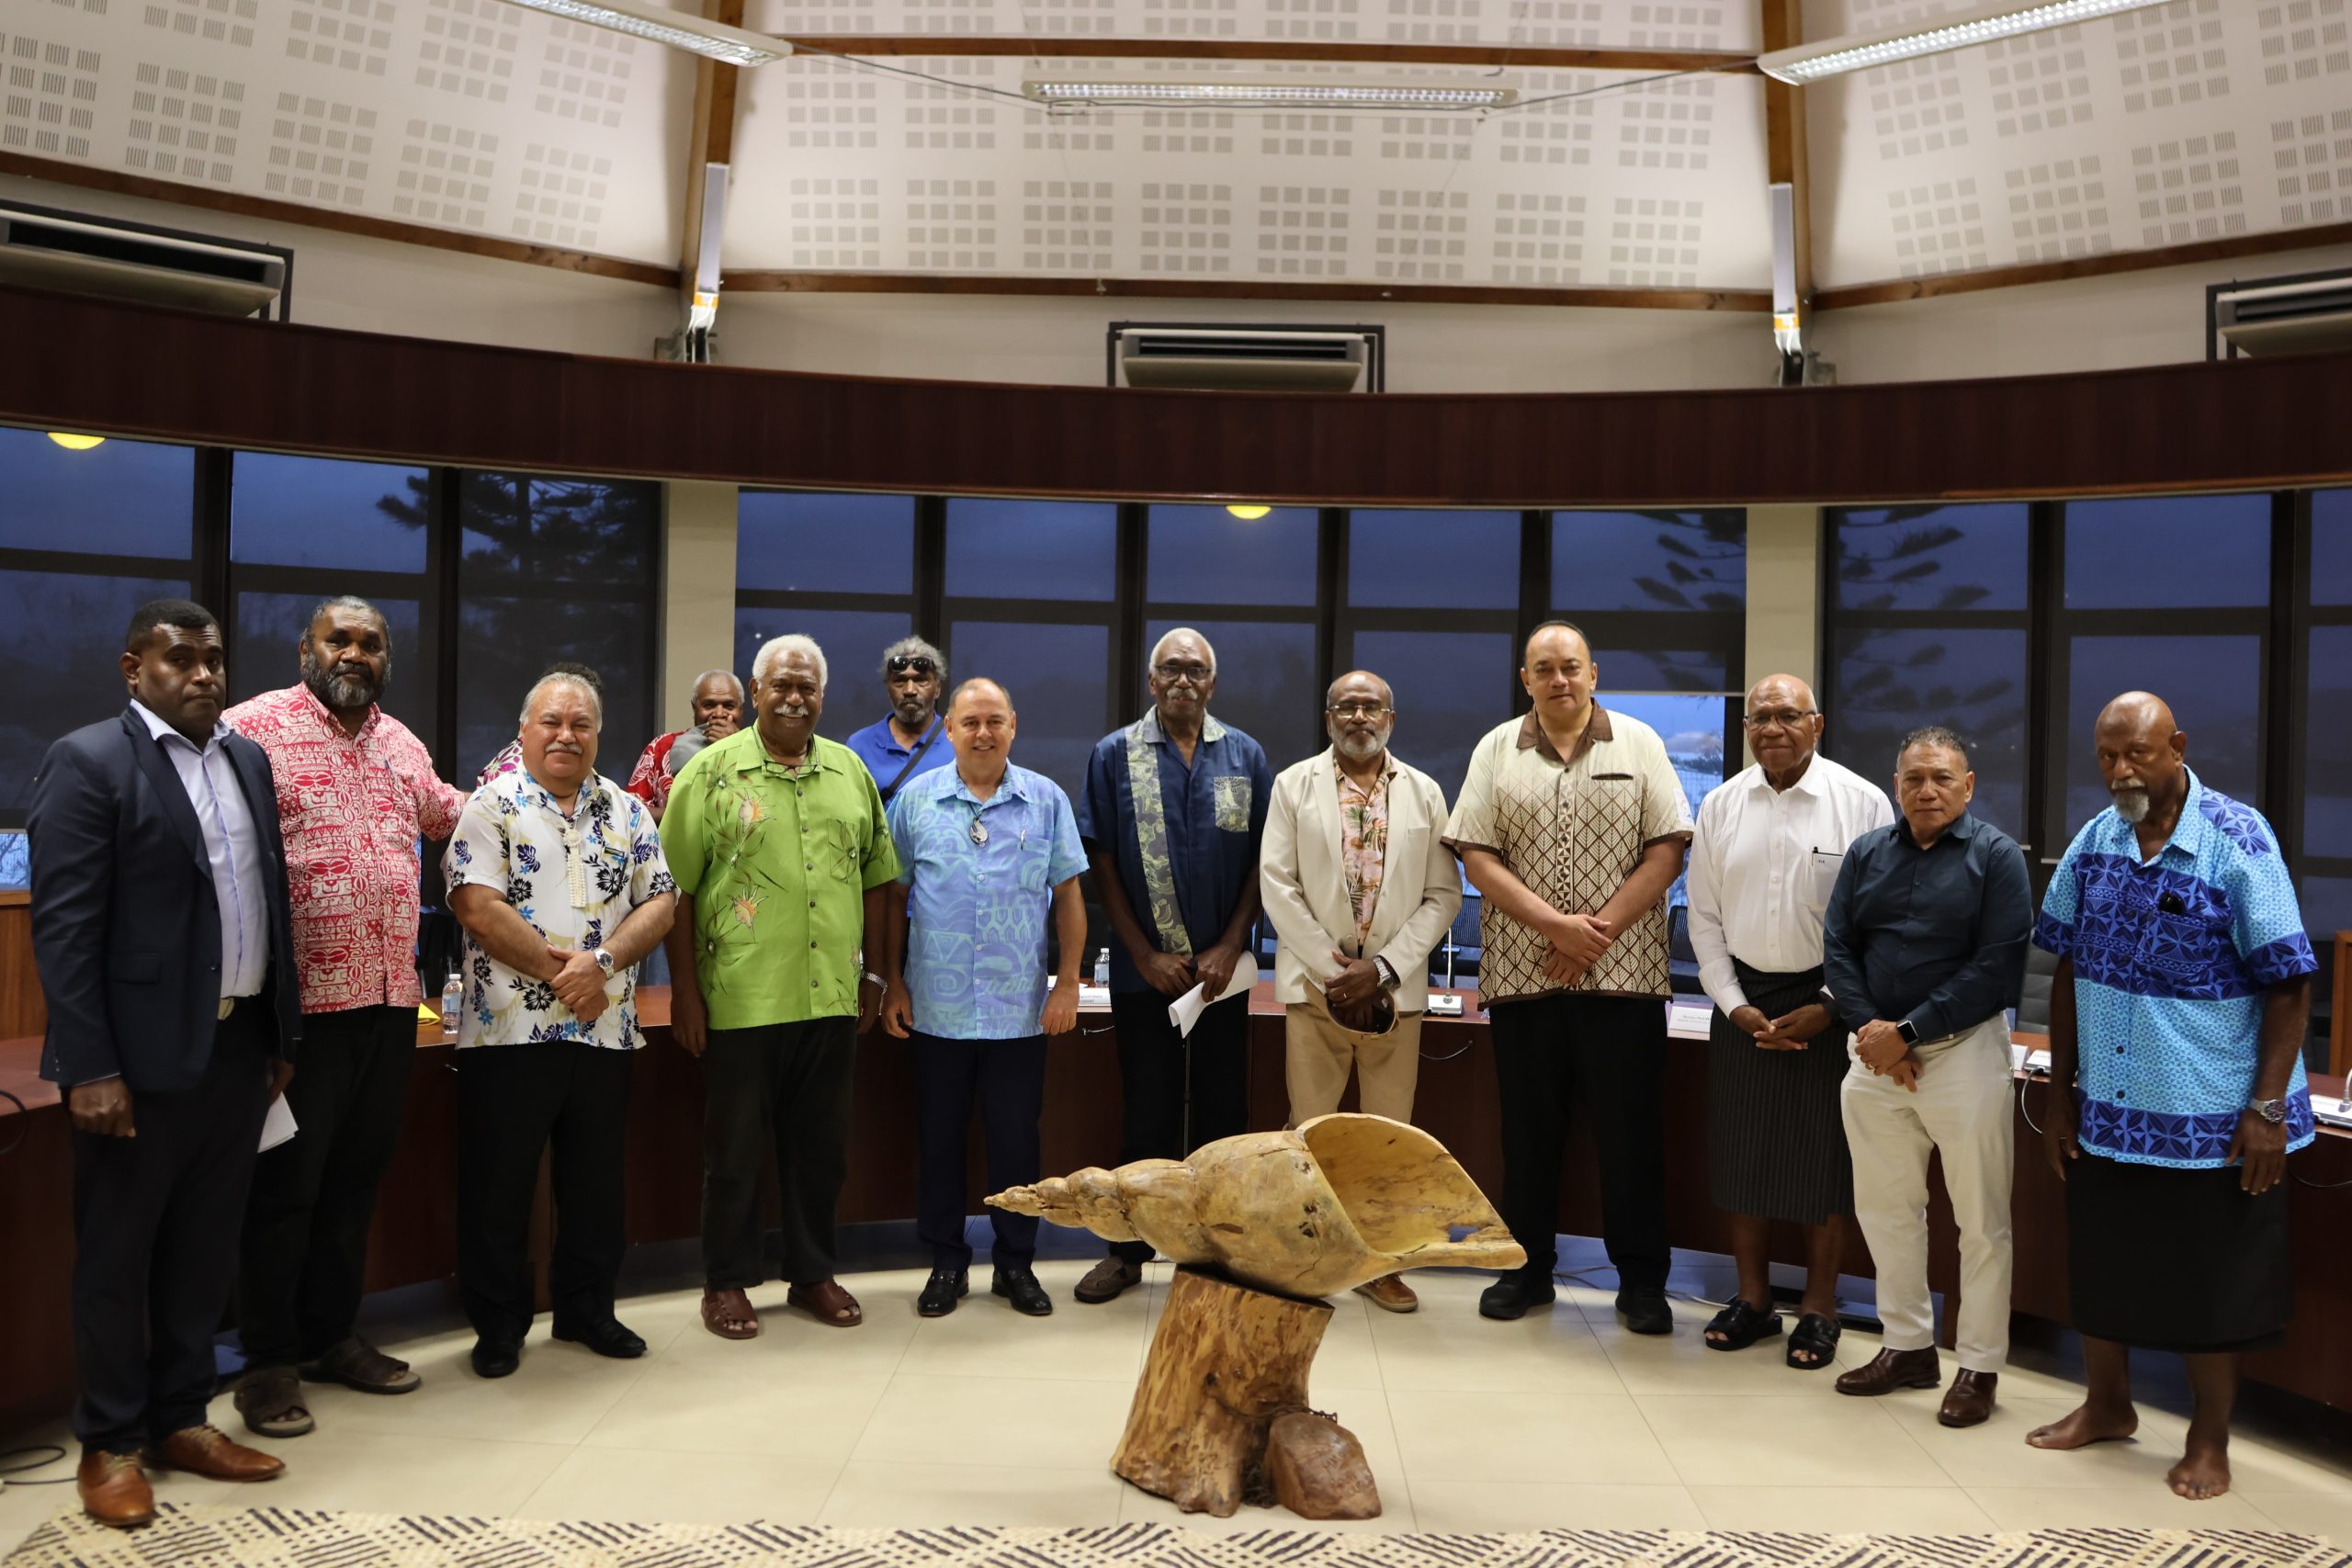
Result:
[[1688, 1020], [1186, 1010], [279, 1125]]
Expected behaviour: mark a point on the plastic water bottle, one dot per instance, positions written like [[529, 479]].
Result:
[[453, 1002], [1102, 968]]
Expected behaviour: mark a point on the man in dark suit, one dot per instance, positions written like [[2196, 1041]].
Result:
[[160, 927]]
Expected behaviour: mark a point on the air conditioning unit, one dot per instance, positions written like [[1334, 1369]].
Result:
[[1251, 358], [75, 254], [2282, 315]]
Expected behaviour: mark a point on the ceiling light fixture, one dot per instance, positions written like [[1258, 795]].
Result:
[[1248, 514], [1858, 52], [73, 443], [679, 29], [1281, 93]]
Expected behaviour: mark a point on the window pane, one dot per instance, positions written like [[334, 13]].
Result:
[[322, 511], [15, 861], [1204, 554], [1031, 549], [1265, 683], [502, 646], [1930, 557], [2179, 551], [1648, 560], [60, 635], [1445, 560], [1060, 678], [1452, 687], [269, 633], [2213, 684], [825, 543], [122, 498], [2327, 745], [522, 530], [2327, 908], [852, 641], [2332, 546], [1633, 670], [1891, 682]]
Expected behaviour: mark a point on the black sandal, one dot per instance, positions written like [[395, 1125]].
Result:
[[1741, 1325], [1818, 1336]]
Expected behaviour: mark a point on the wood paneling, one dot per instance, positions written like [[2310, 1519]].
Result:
[[89, 365], [1478, 56], [22, 1011], [773, 282]]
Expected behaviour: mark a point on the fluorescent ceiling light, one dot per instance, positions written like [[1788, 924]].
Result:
[[1281, 92], [679, 29], [1860, 51]]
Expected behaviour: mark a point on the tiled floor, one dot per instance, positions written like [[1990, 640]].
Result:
[[986, 1417]]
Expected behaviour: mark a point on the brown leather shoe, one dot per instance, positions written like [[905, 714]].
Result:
[[827, 1303], [114, 1490], [1108, 1280], [1969, 1401], [1891, 1369], [209, 1451], [358, 1365], [1390, 1293]]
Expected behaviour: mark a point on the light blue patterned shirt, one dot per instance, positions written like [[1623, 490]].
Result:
[[2171, 958], [978, 913]]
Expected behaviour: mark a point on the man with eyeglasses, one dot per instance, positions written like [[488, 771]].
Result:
[[911, 739], [1763, 866], [1353, 969], [1572, 825], [1174, 809]]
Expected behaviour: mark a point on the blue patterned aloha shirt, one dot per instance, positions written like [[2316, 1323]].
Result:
[[2171, 958], [575, 879]]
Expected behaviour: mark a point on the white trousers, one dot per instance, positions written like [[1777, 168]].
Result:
[[1962, 1110]]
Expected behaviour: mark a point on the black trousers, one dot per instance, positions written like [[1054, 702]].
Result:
[[515, 1102], [1009, 1079], [791, 1082], [155, 1222], [1151, 1083], [305, 1224], [1610, 1053]]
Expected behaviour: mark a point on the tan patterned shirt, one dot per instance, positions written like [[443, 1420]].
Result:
[[1572, 830], [1363, 843]]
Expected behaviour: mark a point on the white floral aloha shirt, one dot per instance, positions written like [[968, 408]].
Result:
[[575, 879]]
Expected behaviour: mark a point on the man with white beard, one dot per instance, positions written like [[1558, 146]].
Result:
[[1353, 969]]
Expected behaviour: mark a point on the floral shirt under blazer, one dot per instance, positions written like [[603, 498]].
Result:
[[574, 879]]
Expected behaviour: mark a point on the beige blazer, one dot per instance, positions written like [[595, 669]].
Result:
[[1306, 888]]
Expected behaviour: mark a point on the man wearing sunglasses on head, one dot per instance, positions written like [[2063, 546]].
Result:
[[908, 741]]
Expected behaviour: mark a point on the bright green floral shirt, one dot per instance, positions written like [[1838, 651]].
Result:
[[777, 861]]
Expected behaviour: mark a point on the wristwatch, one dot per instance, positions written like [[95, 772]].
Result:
[[2272, 1110], [605, 962], [1389, 978], [1907, 1031]]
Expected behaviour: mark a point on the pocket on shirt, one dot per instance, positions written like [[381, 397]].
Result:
[[1821, 878], [1035, 860], [1233, 802]]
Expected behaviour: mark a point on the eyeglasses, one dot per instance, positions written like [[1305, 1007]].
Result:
[[1357, 710], [1782, 719], [900, 663], [1196, 673]]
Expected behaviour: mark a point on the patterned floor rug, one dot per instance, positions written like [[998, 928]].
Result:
[[295, 1538]]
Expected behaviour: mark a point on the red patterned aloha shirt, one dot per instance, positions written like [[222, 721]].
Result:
[[351, 808], [651, 779]]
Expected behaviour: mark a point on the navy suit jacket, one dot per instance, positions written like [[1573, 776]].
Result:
[[126, 926]]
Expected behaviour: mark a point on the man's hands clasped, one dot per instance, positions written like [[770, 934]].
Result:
[[579, 983], [1883, 1051], [1574, 945], [1791, 1031]]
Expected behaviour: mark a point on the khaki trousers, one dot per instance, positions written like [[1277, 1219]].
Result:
[[1318, 1055], [1962, 1110]]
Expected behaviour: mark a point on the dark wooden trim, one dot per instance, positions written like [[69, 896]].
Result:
[[2114, 262], [237, 203], [1528, 57], [779, 282], [157, 373], [1785, 158]]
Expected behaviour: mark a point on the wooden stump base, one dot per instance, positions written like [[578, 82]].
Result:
[[1226, 1361]]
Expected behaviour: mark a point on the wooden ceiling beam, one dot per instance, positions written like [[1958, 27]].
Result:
[[779, 282], [710, 138], [1318, 51], [1785, 159], [2114, 262]]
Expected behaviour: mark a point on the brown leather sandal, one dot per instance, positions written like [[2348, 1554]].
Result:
[[827, 1303], [729, 1314], [270, 1399]]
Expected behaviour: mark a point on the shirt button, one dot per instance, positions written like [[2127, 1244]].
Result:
[[812, 946]]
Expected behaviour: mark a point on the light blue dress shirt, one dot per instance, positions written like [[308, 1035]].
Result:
[[232, 848], [979, 914]]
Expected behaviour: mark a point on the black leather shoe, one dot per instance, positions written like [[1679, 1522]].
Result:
[[497, 1358], [1646, 1312], [1511, 1296], [941, 1292], [1019, 1287], [609, 1338]]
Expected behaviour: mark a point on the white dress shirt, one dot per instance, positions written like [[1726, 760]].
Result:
[[231, 847], [1762, 865]]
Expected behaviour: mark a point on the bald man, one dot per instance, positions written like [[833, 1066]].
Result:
[[1359, 885], [2177, 1086], [1763, 863], [717, 714]]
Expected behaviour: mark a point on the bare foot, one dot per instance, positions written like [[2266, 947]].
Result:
[[2204, 1472], [2084, 1426]]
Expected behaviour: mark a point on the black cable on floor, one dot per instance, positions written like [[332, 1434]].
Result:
[[50, 1454]]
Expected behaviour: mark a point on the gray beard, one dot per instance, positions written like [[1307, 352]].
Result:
[[2132, 805], [1360, 747], [339, 692]]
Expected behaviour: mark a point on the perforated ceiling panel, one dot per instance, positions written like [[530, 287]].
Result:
[[462, 114], [2190, 121]]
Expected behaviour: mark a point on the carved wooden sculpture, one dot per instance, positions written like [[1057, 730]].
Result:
[[1293, 1216]]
